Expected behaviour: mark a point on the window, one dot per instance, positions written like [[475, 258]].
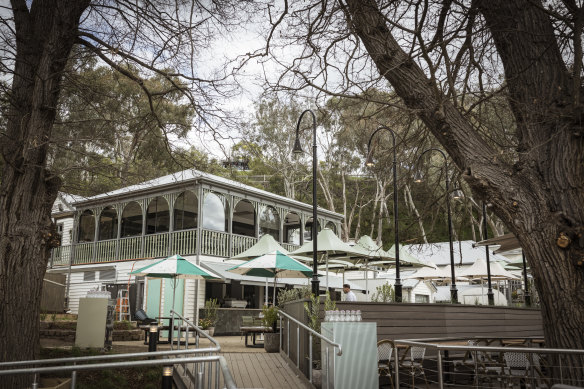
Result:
[[157, 216], [60, 232], [185, 211], [109, 274], [86, 227], [244, 222], [332, 226], [108, 224], [132, 220], [214, 213], [270, 223], [88, 276], [292, 228], [308, 230], [422, 298]]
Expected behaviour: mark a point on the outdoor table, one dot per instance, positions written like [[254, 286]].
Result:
[[254, 331]]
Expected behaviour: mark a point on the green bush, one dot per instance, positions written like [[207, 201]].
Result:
[[270, 316], [211, 307], [383, 294], [285, 296]]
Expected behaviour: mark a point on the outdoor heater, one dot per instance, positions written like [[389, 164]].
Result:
[[418, 179], [298, 150]]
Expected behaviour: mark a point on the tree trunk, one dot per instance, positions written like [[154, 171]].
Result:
[[541, 197], [45, 37]]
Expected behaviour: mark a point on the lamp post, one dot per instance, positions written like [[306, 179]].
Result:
[[370, 163], [417, 178], [298, 150], [490, 295]]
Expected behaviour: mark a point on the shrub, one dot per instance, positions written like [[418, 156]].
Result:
[[205, 323], [270, 316], [211, 307], [383, 294], [285, 296]]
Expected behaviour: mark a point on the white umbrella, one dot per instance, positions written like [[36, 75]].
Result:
[[330, 244]]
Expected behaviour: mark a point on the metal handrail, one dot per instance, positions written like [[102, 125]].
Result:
[[468, 348], [228, 379], [311, 333], [337, 345], [104, 357], [198, 331]]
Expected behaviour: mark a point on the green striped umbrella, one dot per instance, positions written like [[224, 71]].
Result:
[[275, 264], [174, 267]]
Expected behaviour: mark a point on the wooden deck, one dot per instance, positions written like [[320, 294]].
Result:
[[262, 370], [249, 370]]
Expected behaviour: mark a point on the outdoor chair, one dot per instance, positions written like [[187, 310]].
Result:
[[413, 360], [384, 351], [524, 369], [143, 318], [485, 366]]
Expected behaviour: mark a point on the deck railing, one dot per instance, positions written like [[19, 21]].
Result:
[[290, 247], [201, 365], [484, 363], [328, 345], [184, 242]]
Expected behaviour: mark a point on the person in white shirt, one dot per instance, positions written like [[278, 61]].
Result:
[[349, 296]]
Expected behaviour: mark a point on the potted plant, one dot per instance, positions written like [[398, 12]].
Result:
[[271, 339], [211, 307], [205, 325]]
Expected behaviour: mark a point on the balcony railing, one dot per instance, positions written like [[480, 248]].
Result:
[[213, 243]]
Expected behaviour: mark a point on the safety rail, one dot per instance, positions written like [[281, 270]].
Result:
[[205, 360], [509, 362], [311, 333]]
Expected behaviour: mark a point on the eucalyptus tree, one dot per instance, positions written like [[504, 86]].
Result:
[[435, 56], [37, 39]]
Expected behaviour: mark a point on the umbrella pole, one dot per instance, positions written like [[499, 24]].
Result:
[[327, 280], [266, 293], [367, 279], [170, 322], [274, 298]]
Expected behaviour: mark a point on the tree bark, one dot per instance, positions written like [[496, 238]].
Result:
[[541, 197], [45, 35]]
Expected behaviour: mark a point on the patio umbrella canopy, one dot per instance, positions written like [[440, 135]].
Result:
[[479, 270], [266, 244], [275, 264], [175, 267], [329, 244]]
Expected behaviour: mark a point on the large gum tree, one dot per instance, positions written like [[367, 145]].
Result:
[[442, 59], [38, 38]]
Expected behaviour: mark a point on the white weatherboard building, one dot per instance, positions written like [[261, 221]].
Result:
[[202, 217]]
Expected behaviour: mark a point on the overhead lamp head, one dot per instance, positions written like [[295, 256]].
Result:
[[418, 178], [457, 194], [369, 162], [297, 148]]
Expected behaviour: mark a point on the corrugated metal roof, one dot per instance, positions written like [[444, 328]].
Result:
[[439, 253], [192, 175]]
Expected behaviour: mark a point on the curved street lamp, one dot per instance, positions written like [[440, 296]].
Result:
[[370, 163], [298, 150], [418, 178]]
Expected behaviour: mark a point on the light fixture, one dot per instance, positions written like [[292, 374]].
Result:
[[369, 162], [457, 194], [418, 178], [297, 147], [167, 371]]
